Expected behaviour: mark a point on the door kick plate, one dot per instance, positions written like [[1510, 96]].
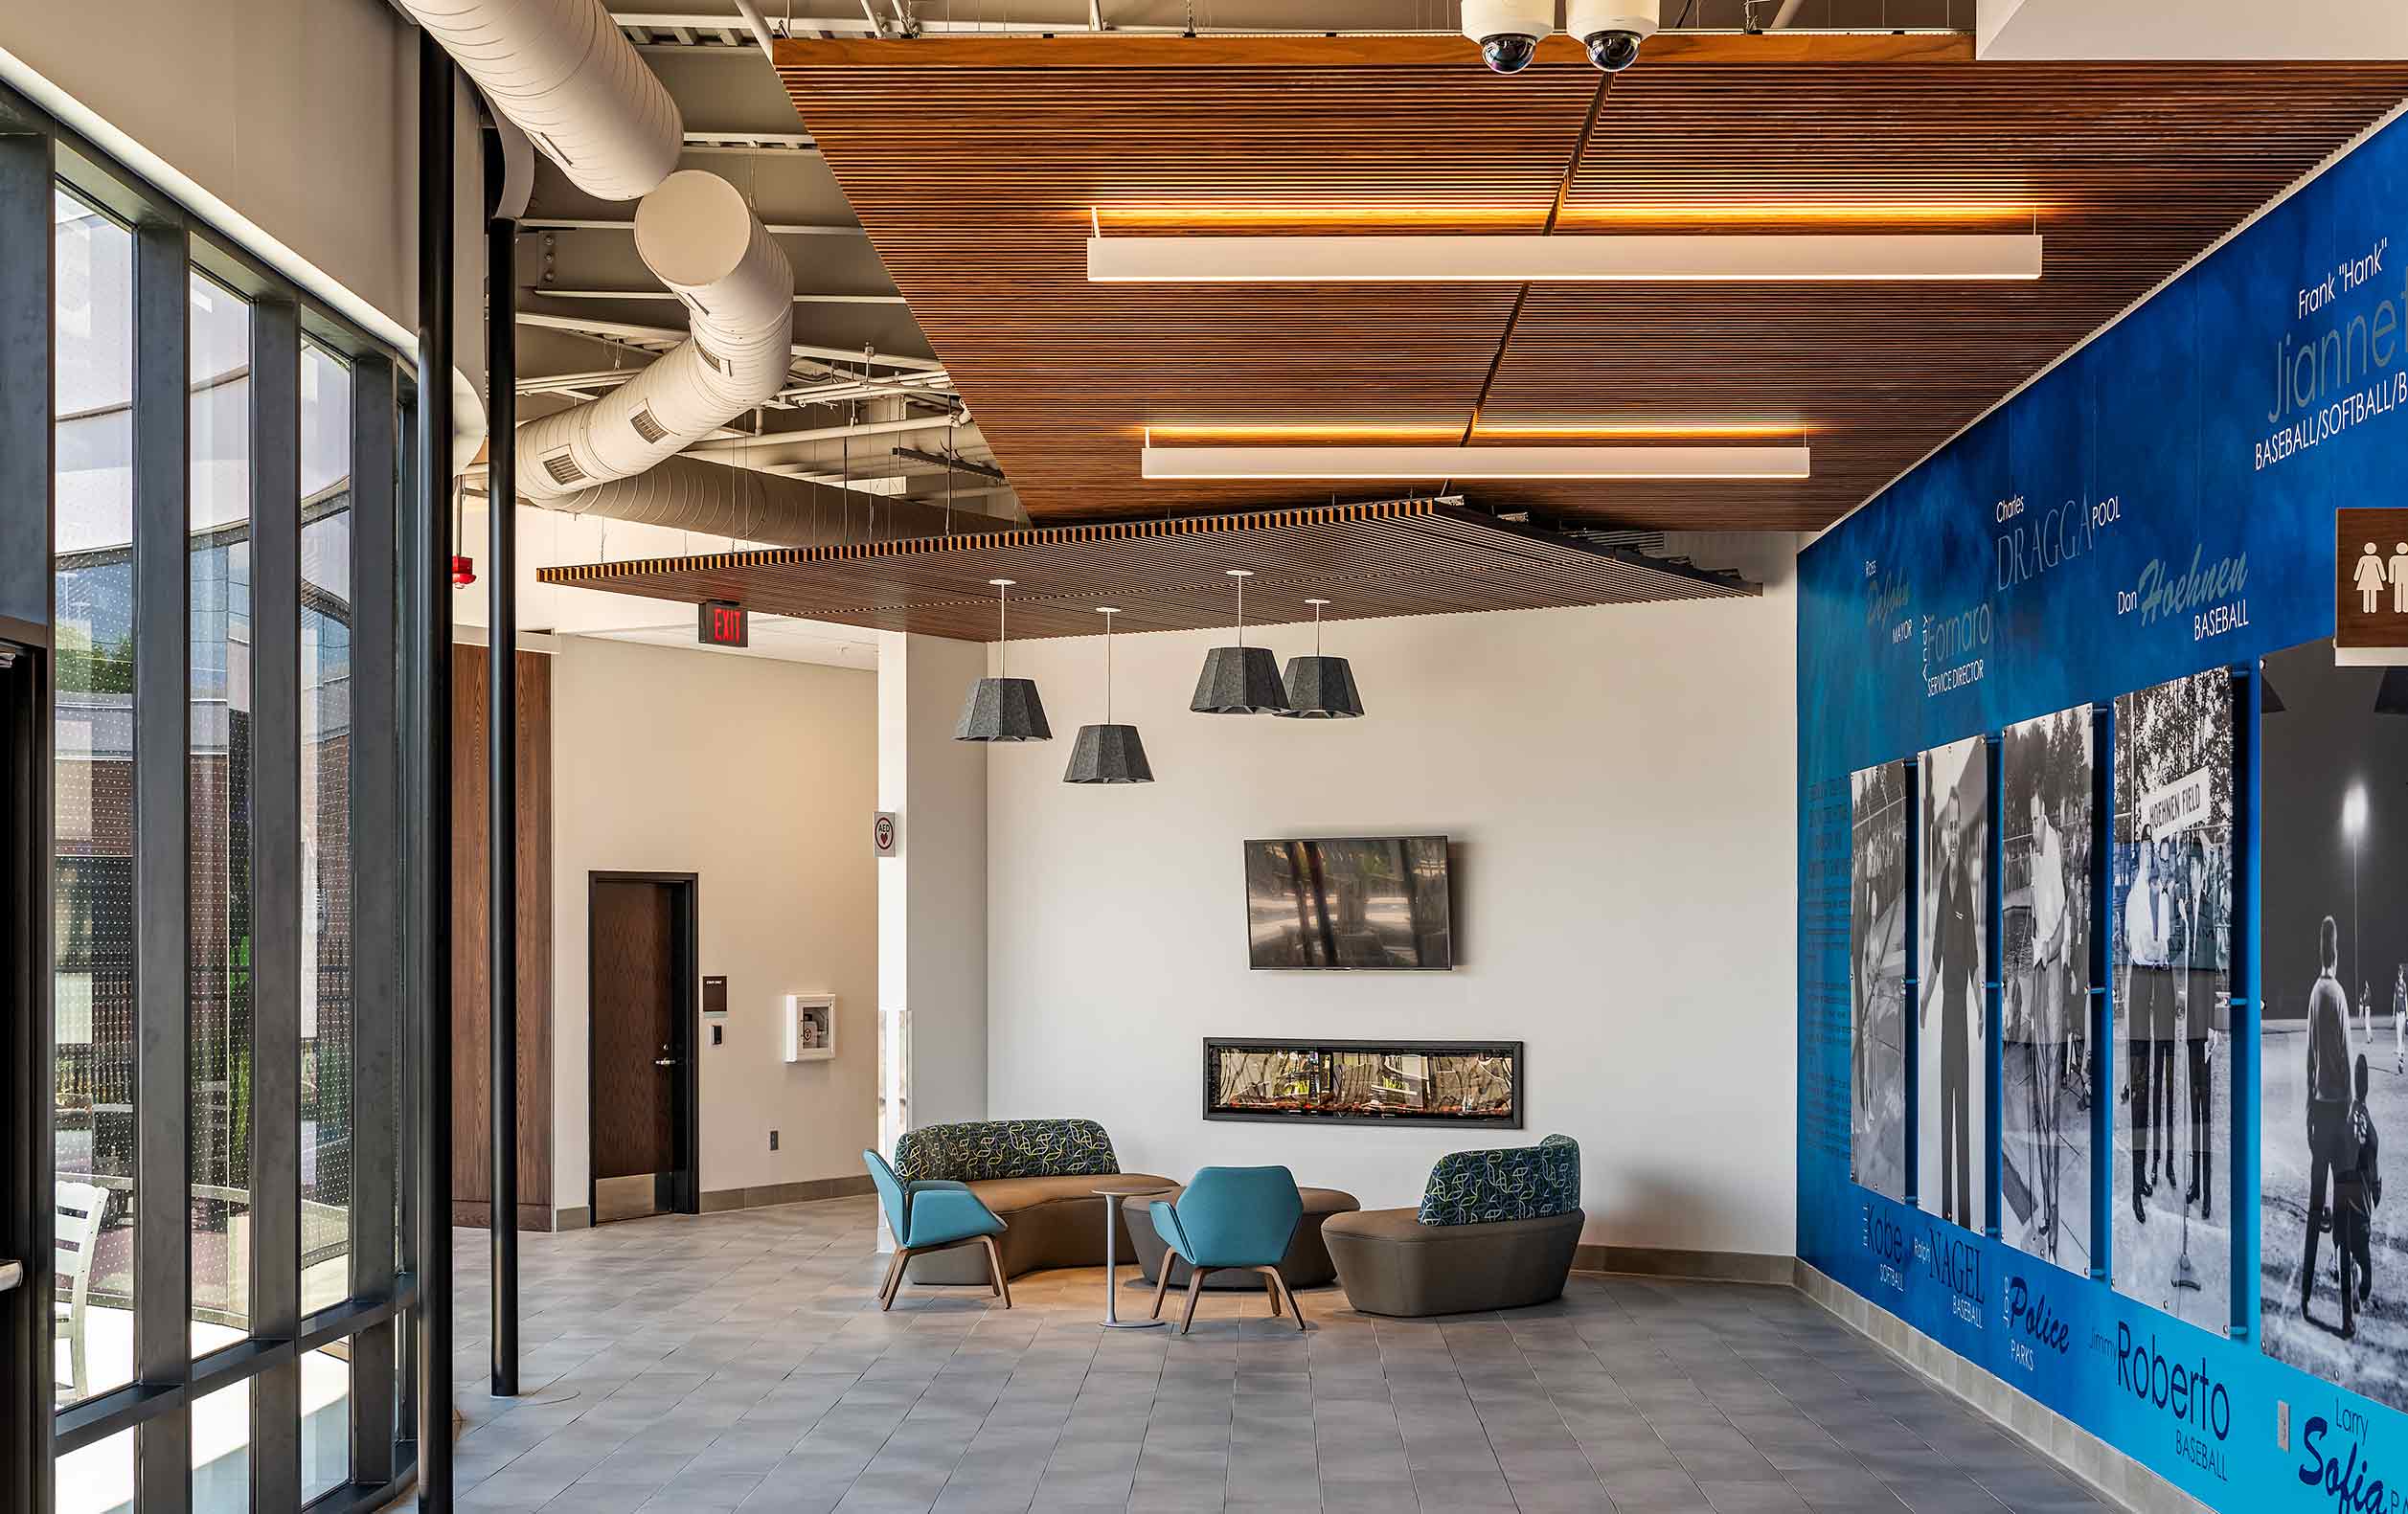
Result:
[[626, 1198]]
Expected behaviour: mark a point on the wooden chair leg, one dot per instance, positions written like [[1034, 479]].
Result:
[[1162, 1283], [1293, 1308], [995, 1263], [1195, 1288], [894, 1277], [1271, 1286]]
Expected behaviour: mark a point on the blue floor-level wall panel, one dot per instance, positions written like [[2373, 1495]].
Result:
[[2159, 503]]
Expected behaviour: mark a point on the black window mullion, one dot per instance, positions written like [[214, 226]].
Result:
[[27, 1165], [276, 893], [376, 820], [162, 465], [26, 252]]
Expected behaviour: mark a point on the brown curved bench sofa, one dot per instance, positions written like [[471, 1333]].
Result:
[[1039, 1176], [1495, 1229]]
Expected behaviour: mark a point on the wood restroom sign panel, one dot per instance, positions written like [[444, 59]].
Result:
[[2370, 611]]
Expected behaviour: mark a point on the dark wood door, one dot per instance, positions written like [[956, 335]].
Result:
[[638, 1049]]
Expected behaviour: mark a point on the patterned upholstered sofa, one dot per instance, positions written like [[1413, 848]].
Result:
[[1039, 1176], [1495, 1229]]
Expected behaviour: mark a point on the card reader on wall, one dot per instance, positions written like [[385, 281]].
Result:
[[810, 1028]]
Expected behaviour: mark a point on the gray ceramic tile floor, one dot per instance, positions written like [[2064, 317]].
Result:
[[739, 1362]]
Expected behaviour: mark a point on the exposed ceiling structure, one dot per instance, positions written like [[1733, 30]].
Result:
[[977, 161], [864, 380], [872, 408]]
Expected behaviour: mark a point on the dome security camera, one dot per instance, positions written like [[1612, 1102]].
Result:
[[1508, 32], [1612, 30]]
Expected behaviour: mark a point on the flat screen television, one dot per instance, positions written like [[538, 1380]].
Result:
[[1376, 903]]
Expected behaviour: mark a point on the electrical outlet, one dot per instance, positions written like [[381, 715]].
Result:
[[773, 1141]]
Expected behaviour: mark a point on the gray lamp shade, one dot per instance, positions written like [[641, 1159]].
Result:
[[1321, 688], [1239, 680], [1003, 709], [1108, 754]]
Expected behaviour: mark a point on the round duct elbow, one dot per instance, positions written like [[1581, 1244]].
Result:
[[565, 75], [699, 237]]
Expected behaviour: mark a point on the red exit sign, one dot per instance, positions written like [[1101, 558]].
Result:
[[720, 623]]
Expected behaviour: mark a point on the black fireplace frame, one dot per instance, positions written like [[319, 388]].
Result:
[[1514, 1120]]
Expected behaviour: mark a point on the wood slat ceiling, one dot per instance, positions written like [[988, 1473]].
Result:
[[1389, 558], [974, 163]]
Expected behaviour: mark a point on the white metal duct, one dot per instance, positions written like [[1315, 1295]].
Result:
[[563, 72], [565, 75], [699, 237]]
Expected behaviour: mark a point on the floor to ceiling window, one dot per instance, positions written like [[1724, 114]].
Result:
[[218, 792], [326, 835], [92, 943], [229, 1283]]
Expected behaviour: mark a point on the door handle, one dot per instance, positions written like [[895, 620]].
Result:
[[664, 1061]]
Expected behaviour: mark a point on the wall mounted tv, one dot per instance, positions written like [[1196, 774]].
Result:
[[1361, 903]]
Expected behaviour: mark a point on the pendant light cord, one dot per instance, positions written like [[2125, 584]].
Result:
[[1003, 632], [1242, 612], [1108, 670]]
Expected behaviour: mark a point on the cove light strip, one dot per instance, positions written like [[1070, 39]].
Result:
[[1477, 258], [1474, 463]]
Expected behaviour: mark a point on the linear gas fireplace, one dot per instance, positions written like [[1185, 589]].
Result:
[[1472, 1083]]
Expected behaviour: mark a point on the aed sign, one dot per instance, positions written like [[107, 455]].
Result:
[[882, 833], [2370, 611], [719, 623]]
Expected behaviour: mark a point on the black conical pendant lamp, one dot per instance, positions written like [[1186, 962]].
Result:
[[1321, 688], [1003, 709], [1240, 680], [1109, 753]]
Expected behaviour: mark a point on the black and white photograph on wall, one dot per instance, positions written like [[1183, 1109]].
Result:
[[1877, 979], [2170, 888], [2045, 773], [1952, 1038], [2332, 1064]]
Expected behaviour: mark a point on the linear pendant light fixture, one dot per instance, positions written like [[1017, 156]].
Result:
[[1108, 753], [1003, 709], [1240, 680], [1308, 462], [1736, 258]]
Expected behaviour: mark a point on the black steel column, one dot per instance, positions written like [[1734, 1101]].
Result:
[[501, 894], [432, 539]]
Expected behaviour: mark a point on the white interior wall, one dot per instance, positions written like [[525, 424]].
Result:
[[759, 776], [932, 903], [2216, 30], [1620, 787], [291, 124]]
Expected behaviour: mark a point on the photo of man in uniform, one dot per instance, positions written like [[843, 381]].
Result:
[[1952, 1181]]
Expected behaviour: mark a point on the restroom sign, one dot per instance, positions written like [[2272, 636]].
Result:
[[2369, 617]]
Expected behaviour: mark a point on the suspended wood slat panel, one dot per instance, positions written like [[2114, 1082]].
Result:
[[1389, 557], [974, 164]]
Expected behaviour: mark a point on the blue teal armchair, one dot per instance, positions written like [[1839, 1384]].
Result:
[[1231, 1217], [933, 1216]]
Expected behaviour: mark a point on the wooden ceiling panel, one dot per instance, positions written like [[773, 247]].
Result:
[[974, 164], [1389, 558]]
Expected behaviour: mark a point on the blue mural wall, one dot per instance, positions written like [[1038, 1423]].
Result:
[[2158, 504]]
